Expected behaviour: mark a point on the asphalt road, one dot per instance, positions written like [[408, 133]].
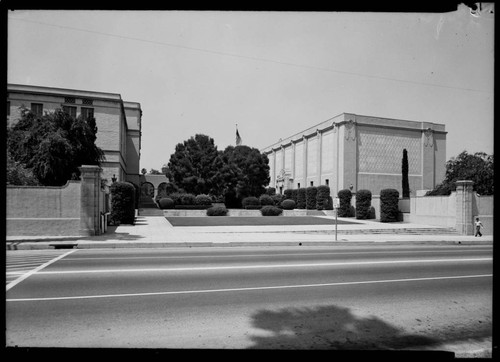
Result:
[[340, 297]]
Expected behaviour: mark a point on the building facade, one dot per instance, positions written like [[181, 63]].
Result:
[[357, 152], [118, 122]]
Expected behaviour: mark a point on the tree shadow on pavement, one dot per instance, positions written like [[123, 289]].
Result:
[[330, 327]]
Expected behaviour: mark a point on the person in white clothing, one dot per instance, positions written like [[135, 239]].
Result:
[[478, 224]]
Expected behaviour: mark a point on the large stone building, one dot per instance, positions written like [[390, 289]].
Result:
[[359, 152], [118, 122]]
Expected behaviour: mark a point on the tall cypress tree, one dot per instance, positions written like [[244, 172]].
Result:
[[404, 168]]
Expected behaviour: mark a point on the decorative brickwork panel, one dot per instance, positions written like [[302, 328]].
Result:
[[381, 151], [279, 161], [312, 156], [327, 152], [299, 160], [288, 158]]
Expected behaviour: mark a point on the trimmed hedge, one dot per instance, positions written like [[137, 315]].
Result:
[[389, 209], [278, 198], [288, 194], [294, 195], [217, 211], [270, 191], [345, 197], [122, 203], [288, 204], [322, 197], [182, 198], [271, 211], [266, 200], [250, 200], [301, 198], [311, 193], [363, 204], [202, 199], [166, 203]]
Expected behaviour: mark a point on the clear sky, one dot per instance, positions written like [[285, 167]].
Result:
[[272, 73]]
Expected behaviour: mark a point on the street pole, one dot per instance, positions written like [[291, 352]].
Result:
[[336, 204]]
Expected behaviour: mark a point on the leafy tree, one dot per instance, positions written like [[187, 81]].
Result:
[[404, 171], [17, 174], [247, 171], [54, 145], [194, 165], [154, 172], [477, 167]]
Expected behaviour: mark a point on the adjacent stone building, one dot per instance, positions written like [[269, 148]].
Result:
[[359, 152], [118, 122]]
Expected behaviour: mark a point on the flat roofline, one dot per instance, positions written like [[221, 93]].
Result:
[[22, 88], [310, 130]]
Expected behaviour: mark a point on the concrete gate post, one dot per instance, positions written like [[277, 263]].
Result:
[[89, 200], [464, 220]]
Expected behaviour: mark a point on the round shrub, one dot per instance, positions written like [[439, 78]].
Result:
[[311, 193], [250, 202], [271, 211], [363, 204], [322, 197], [166, 203], [389, 209], [301, 198], [122, 203], [288, 204], [345, 197], [277, 199], [217, 211], [202, 199], [266, 200]]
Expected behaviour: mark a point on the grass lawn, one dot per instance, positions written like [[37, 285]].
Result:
[[252, 221]]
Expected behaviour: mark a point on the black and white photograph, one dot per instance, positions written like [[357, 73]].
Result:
[[266, 180]]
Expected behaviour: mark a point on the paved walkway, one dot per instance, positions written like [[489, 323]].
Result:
[[151, 231]]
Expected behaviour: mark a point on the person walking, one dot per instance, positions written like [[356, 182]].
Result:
[[478, 225]]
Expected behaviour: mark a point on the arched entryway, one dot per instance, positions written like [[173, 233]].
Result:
[[147, 189]]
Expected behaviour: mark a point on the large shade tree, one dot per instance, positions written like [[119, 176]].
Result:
[[477, 167], [194, 164], [54, 145]]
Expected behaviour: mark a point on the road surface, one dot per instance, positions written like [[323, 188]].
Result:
[[339, 297]]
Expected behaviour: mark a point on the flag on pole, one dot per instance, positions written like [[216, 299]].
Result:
[[238, 138]]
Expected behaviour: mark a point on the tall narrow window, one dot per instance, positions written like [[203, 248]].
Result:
[[312, 183], [37, 108], [87, 113], [70, 110], [327, 182], [298, 185]]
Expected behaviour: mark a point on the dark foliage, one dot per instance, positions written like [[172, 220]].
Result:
[[288, 204], [271, 211], [217, 211], [311, 192], [404, 171], [389, 210], [322, 197], [345, 197], [122, 203], [301, 198], [363, 204]]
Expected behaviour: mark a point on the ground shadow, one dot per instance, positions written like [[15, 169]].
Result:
[[330, 327], [116, 232]]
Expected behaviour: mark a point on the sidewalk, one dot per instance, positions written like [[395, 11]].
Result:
[[150, 231]]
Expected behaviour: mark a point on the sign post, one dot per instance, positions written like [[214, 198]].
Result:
[[336, 204]]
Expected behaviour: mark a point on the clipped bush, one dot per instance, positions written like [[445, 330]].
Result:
[[270, 191], [271, 211], [288, 204], [301, 198], [389, 209], [278, 198], [294, 195], [166, 203], [345, 197], [363, 204], [250, 202], [202, 199], [322, 197], [122, 203], [288, 194], [182, 198], [311, 193], [266, 200], [217, 211]]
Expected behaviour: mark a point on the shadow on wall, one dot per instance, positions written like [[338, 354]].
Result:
[[330, 327]]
